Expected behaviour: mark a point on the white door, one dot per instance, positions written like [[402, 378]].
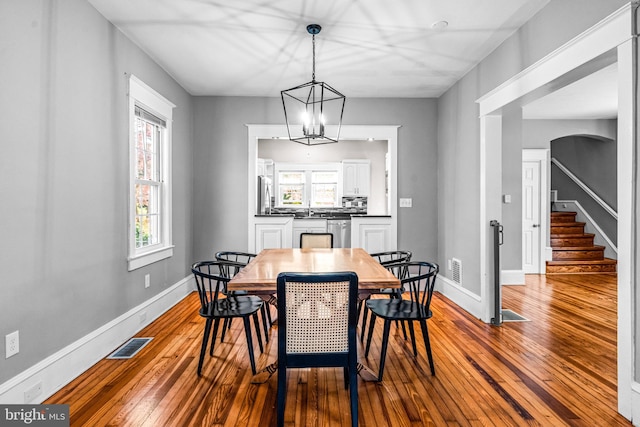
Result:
[[531, 230]]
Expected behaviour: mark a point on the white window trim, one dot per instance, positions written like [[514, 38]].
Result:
[[143, 95]]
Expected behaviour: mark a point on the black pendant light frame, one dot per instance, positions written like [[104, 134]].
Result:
[[314, 99]]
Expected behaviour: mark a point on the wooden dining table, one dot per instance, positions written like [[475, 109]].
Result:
[[261, 274]]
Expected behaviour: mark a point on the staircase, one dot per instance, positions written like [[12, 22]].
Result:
[[573, 249]]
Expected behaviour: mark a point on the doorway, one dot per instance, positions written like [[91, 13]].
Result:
[[611, 35], [534, 210]]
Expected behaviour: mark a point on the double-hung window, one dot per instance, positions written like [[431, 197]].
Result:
[[308, 185], [150, 117]]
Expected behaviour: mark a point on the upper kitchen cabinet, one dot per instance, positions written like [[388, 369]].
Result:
[[356, 177], [265, 167]]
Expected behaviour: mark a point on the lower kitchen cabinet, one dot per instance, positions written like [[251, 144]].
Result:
[[273, 232], [373, 234]]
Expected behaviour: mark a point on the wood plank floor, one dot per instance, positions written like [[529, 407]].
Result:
[[558, 369]]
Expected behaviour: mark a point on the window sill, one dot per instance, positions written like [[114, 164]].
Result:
[[150, 257]]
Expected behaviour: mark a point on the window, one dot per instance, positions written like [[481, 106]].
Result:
[[302, 185], [150, 117]]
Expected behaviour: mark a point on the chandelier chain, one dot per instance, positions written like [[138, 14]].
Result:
[[313, 72]]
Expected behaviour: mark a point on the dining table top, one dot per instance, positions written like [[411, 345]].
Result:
[[262, 272]]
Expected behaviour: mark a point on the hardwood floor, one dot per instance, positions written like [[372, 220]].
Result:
[[558, 369]]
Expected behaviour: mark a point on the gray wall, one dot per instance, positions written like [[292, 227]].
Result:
[[459, 128], [221, 164], [64, 176]]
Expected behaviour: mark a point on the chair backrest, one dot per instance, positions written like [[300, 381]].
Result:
[[317, 315], [420, 279], [316, 240], [211, 280], [236, 260], [393, 260]]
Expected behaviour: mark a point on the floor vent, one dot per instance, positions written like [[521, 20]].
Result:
[[456, 267], [130, 348], [511, 316]]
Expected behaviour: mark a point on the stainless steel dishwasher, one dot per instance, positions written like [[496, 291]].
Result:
[[341, 230]]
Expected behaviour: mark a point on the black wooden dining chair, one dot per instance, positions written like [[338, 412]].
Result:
[[419, 279], [317, 318], [211, 278], [236, 261], [392, 261]]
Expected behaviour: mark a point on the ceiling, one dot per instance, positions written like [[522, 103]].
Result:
[[372, 48]]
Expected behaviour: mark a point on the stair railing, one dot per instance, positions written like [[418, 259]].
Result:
[[585, 188]]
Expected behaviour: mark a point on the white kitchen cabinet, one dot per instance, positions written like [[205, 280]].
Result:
[[356, 177], [273, 232], [373, 234], [307, 225]]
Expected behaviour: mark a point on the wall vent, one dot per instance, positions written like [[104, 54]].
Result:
[[456, 267]]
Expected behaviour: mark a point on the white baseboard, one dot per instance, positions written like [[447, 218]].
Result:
[[60, 368], [512, 277], [462, 297]]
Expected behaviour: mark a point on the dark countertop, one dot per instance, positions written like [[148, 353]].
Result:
[[322, 216]]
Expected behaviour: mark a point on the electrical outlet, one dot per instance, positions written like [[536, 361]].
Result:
[[33, 392], [147, 280], [12, 344], [405, 203]]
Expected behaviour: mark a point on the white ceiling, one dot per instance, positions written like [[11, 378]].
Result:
[[372, 48]]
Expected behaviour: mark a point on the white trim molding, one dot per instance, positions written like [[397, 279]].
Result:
[[60, 368], [462, 297]]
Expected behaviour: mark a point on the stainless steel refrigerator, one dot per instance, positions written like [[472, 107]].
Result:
[[264, 195]]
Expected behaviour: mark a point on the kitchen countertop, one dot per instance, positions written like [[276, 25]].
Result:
[[345, 216]]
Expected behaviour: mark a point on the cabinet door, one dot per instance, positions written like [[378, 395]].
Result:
[[371, 235], [363, 178], [355, 177], [273, 236]]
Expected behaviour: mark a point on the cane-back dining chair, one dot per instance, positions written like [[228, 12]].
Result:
[[317, 317], [237, 261], [419, 280], [316, 240], [211, 278], [392, 261]]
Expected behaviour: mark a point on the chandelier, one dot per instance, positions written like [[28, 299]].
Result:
[[313, 111]]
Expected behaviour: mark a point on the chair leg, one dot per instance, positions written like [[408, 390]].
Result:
[[258, 333], [413, 338], [281, 394], [247, 330], [365, 314], [263, 312], [353, 394], [427, 344], [225, 326], [216, 324], [205, 340], [369, 335], [385, 342]]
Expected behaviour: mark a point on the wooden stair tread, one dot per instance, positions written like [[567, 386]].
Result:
[[586, 261], [570, 235], [579, 248]]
